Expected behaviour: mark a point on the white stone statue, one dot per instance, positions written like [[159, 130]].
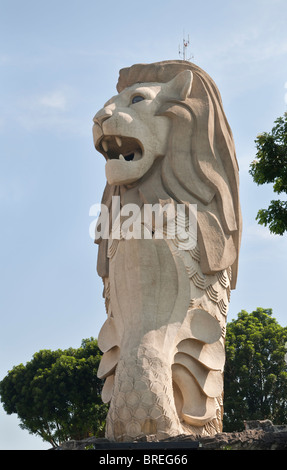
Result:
[[166, 139]]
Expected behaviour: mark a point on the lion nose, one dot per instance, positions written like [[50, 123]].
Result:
[[102, 115]]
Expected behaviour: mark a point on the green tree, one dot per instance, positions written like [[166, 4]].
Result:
[[255, 371], [270, 166], [57, 394]]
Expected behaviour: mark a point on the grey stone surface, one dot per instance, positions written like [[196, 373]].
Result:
[[258, 435]]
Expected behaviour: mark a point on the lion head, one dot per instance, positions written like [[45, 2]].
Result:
[[165, 135]]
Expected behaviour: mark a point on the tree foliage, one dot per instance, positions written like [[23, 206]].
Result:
[[255, 371], [270, 166], [57, 394]]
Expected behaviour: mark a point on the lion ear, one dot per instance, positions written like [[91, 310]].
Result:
[[181, 85]]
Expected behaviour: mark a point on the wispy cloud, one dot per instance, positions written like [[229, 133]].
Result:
[[2, 124], [256, 34], [54, 110], [257, 232], [56, 100], [4, 59], [250, 46], [11, 190]]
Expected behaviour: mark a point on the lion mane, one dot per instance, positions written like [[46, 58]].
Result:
[[201, 169]]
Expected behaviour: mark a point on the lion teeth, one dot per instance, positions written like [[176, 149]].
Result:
[[105, 146], [121, 157], [118, 141]]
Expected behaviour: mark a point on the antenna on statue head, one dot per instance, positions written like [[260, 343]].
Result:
[[185, 45]]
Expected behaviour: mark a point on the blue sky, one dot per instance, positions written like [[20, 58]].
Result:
[[59, 63]]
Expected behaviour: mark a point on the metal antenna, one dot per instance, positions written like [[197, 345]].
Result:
[[185, 45]]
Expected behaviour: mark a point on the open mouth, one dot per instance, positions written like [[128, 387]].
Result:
[[120, 148]]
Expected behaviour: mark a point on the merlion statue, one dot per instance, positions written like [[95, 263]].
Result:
[[166, 140]]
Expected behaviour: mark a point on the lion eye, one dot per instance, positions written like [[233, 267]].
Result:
[[137, 99]]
